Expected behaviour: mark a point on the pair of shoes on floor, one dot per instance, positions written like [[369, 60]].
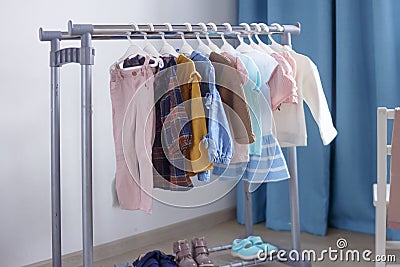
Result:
[[252, 248], [195, 257]]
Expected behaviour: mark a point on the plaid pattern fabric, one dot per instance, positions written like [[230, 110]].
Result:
[[173, 132]]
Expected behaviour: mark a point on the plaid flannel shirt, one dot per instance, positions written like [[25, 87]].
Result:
[[173, 132]]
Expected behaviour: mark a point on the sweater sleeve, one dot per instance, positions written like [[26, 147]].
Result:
[[314, 96]]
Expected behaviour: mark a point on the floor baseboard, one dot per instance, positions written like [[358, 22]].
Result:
[[127, 244]]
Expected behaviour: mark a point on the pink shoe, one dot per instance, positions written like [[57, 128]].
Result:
[[183, 254], [200, 252]]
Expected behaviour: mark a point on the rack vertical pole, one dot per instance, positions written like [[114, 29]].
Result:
[[55, 157], [293, 181], [86, 138], [248, 214], [294, 198], [380, 209]]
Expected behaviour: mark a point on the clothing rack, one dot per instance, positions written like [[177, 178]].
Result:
[[84, 55]]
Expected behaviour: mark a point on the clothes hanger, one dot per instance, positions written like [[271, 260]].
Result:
[[151, 50], [211, 45], [243, 47], [249, 36], [275, 45], [281, 29], [264, 47], [149, 47], [205, 30], [202, 47], [134, 50], [186, 48], [166, 48], [227, 47]]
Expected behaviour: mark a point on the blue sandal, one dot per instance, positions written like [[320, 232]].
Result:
[[266, 247], [244, 249]]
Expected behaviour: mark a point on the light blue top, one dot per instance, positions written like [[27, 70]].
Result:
[[252, 92], [266, 66]]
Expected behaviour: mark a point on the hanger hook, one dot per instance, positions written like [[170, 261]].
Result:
[[256, 27], [188, 26], [151, 27], [182, 34], [279, 27], [213, 26], [247, 29], [238, 35], [169, 26], [162, 34], [203, 27], [128, 36], [264, 26], [228, 26], [198, 37], [135, 26], [246, 26]]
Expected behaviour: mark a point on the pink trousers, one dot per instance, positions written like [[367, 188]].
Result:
[[132, 98]]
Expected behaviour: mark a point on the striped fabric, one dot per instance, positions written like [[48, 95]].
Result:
[[269, 167], [282, 83]]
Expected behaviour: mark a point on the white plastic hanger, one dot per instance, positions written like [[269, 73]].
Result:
[[261, 44], [211, 45], [186, 48], [202, 47], [149, 48], [243, 47], [227, 47], [275, 45], [134, 50], [166, 48], [252, 43]]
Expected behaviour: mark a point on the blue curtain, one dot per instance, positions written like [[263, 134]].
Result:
[[356, 46]]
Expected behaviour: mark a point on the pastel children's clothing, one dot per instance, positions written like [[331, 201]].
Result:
[[270, 165], [132, 100], [290, 119], [292, 63], [282, 83], [252, 92]]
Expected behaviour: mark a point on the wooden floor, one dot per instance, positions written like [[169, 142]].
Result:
[[224, 233]]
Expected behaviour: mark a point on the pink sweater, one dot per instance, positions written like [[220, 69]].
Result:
[[282, 83]]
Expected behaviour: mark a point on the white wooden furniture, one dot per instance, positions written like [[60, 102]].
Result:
[[382, 188]]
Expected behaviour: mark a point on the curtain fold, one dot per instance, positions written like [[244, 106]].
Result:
[[356, 48]]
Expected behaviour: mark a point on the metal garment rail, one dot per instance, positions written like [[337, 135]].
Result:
[[84, 55]]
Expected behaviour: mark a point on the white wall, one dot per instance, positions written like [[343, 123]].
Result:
[[25, 223]]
